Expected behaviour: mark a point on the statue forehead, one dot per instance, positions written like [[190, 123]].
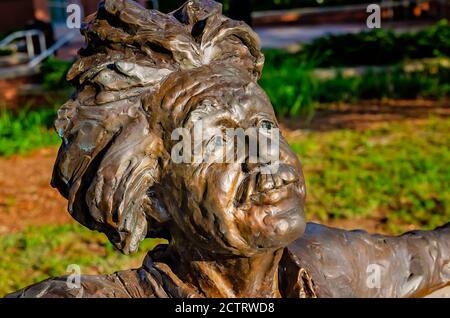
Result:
[[225, 97]]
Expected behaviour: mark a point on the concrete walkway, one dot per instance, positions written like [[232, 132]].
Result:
[[284, 36]]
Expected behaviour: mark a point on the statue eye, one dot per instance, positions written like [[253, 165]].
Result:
[[218, 142], [266, 124]]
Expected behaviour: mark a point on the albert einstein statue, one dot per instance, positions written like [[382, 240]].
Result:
[[232, 230]]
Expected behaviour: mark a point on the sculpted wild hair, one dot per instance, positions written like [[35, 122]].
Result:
[[130, 80]]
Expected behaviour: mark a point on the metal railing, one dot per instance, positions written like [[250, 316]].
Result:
[[32, 65], [66, 38], [28, 36]]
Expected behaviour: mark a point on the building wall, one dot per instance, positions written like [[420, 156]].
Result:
[[90, 6], [14, 14], [41, 10]]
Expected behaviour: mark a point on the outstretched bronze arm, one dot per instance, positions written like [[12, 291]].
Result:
[[357, 264]]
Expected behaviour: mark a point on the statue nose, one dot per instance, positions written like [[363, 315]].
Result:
[[285, 175], [288, 174]]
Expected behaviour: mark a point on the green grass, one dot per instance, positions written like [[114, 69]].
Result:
[[292, 88], [40, 252], [378, 47], [54, 73], [27, 130], [295, 90], [397, 171]]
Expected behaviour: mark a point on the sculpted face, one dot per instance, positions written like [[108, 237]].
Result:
[[141, 75], [234, 208]]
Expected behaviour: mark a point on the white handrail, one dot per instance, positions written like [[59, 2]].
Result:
[[66, 38], [28, 35], [32, 67]]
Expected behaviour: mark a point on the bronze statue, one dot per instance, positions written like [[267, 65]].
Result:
[[232, 231]]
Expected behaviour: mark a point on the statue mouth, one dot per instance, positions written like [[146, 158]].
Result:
[[267, 189]]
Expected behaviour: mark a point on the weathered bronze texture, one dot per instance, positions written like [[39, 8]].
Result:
[[232, 231]]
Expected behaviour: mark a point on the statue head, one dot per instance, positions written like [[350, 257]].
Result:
[[141, 76]]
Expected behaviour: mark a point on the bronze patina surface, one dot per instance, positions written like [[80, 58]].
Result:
[[232, 231]]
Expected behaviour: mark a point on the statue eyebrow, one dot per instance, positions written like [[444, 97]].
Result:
[[224, 116], [226, 122], [200, 111]]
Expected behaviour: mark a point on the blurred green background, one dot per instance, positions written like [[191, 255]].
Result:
[[367, 113]]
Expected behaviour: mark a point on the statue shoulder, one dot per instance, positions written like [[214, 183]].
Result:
[[125, 284], [321, 260]]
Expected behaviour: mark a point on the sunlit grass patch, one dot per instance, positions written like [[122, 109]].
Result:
[[26, 131], [41, 252], [400, 172]]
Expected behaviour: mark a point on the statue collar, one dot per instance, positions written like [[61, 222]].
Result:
[[294, 280]]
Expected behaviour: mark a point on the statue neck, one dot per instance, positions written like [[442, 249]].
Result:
[[227, 277]]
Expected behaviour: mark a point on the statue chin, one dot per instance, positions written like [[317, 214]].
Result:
[[288, 226], [280, 229], [275, 220]]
